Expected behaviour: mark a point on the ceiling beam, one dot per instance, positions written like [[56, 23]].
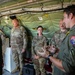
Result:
[[42, 8], [22, 4]]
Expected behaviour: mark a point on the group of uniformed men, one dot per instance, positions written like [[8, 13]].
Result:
[[61, 51]]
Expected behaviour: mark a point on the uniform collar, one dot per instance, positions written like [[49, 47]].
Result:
[[39, 36], [63, 32], [68, 32], [72, 28]]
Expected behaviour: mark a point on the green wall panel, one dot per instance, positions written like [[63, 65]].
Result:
[[50, 22]]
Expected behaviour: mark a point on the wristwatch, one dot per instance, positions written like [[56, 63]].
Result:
[[49, 56]]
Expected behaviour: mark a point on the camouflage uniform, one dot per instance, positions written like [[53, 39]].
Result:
[[37, 44], [18, 42], [57, 40], [2, 35]]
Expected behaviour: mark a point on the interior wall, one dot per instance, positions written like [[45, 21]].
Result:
[[49, 21]]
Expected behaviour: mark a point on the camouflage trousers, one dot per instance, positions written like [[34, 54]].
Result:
[[18, 58], [39, 66]]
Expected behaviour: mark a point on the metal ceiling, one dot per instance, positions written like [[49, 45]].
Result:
[[33, 6], [33, 13]]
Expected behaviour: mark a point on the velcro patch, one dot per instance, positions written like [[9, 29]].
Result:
[[72, 40]]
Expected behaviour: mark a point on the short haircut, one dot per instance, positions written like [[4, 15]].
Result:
[[70, 9], [40, 27]]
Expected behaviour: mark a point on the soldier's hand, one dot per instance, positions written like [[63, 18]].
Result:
[[52, 49], [36, 57], [44, 54], [23, 50]]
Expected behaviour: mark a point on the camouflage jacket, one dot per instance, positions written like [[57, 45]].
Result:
[[37, 44], [57, 38], [18, 37]]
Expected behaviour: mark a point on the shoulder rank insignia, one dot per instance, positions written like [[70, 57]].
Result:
[[72, 40]]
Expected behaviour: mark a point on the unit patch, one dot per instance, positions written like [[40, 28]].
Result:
[[72, 40]]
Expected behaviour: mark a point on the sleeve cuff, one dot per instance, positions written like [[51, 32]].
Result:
[[66, 67]]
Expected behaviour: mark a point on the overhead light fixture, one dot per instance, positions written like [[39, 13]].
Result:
[[40, 18], [6, 17]]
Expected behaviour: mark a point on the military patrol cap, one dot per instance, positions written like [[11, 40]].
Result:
[[12, 17]]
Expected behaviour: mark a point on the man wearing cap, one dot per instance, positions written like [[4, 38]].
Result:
[[18, 43]]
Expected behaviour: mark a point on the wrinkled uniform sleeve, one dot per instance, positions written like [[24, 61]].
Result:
[[69, 57], [24, 38], [53, 41], [45, 42], [11, 36], [33, 47]]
